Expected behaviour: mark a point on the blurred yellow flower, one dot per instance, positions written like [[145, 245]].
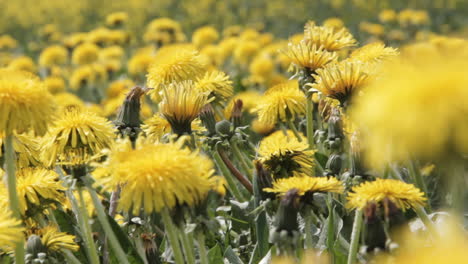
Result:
[[11, 231], [374, 52], [53, 55], [116, 19], [306, 185], [86, 53], [23, 63], [55, 84], [204, 36]]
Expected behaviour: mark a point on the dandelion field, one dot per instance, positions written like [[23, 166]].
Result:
[[234, 131]]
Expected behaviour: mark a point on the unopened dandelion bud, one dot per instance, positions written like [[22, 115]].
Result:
[[208, 119], [34, 246], [335, 125], [236, 114], [128, 119], [333, 166], [264, 180], [223, 127], [286, 216]]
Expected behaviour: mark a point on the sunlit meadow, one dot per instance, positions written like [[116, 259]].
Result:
[[243, 132]]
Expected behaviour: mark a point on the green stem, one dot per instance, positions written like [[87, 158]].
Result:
[[425, 218], [86, 229], [171, 232], [353, 248], [102, 216], [201, 248], [238, 154], [10, 169], [294, 129], [310, 123], [308, 229], [417, 177], [70, 257], [227, 175], [188, 247]]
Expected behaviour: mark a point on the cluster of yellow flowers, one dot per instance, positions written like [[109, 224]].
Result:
[[132, 142]]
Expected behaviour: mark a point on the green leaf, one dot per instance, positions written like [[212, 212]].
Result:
[[321, 159], [215, 256], [127, 246], [231, 256]]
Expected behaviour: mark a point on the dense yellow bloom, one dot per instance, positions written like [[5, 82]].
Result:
[[86, 53], [23, 63], [116, 88], [174, 65], [342, 80], [180, 105], [55, 84], [215, 83], [306, 185], [64, 100], [402, 194], [11, 231], [160, 176], [53, 55], [204, 36], [374, 52], [25, 103], [262, 66], [77, 137], [36, 186], [111, 53], [309, 56], [116, 19], [417, 108], [54, 240], [157, 126], [281, 102], [7, 42], [330, 38], [285, 155]]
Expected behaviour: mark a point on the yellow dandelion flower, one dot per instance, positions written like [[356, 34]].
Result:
[[11, 231], [7, 42], [53, 55], [213, 53], [27, 150], [311, 57], [261, 128], [374, 52], [116, 88], [65, 100], [111, 53], [281, 102], [164, 24], [421, 123], [174, 65], [180, 105], [330, 38], [155, 127], [55, 84], [116, 19], [140, 63], [262, 66], [74, 39], [218, 185], [86, 53], [25, 103], [402, 194], [387, 15], [23, 63], [160, 176], [284, 155], [217, 84], [245, 51], [333, 22], [204, 36], [341, 81], [81, 77], [77, 137], [306, 185], [36, 187], [227, 47], [372, 28], [54, 240]]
